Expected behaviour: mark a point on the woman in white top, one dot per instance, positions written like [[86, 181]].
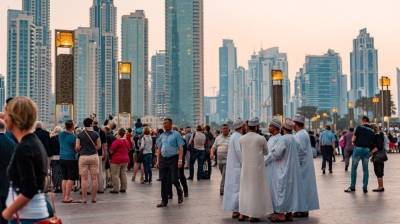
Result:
[[146, 149]]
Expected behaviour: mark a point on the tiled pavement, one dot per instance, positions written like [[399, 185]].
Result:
[[204, 204]]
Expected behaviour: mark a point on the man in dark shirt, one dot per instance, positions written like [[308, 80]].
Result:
[[44, 137], [363, 141], [6, 150]]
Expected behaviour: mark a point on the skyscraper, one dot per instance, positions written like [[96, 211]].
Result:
[[158, 84], [227, 66], [22, 70], [2, 91], [40, 12], [103, 16], [322, 74], [86, 72], [343, 97], [239, 100], [363, 67], [398, 91], [184, 60], [260, 82], [134, 49]]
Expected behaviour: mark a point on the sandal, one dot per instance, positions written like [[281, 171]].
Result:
[[67, 201], [276, 218], [243, 218], [94, 201], [235, 215]]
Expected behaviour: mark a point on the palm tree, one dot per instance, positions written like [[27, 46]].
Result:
[[308, 112]]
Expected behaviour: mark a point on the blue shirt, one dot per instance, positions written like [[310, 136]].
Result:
[[67, 146], [327, 138], [169, 143]]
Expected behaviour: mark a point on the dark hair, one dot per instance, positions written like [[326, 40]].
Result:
[[328, 127], [129, 130], [9, 99], [207, 127], [351, 129], [199, 128], [168, 119], [95, 123], [2, 125], [121, 132], [301, 125], [225, 125], [252, 128], [69, 124], [87, 122], [365, 119]]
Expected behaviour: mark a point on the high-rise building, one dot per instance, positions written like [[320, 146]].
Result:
[[210, 109], [134, 49], [103, 16], [158, 84], [86, 72], [239, 99], [184, 60], [40, 12], [227, 66], [322, 75], [398, 91], [260, 82], [363, 67], [343, 97], [2, 91], [22, 70]]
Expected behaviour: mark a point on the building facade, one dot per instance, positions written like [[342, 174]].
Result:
[[398, 91], [210, 110], [260, 82], [158, 85], [322, 81], [134, 49], [227, 66], [103, 17], [240, 94], [22, 70], [2, 90], [86, 72], [184, 60], [40, 12], [363, 67]]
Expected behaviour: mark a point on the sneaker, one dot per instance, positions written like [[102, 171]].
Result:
[[365, 190], [323, 171], [162, 205], [349, 190]]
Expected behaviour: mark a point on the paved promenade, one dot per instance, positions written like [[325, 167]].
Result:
[[138, 206]]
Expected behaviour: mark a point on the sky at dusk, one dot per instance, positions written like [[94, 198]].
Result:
[[298, 27]]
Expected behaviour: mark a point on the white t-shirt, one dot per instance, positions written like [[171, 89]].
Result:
[[199, 140]]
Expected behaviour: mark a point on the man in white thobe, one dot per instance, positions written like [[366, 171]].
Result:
[[283, 166], [254, 197], [310, 192], [233, 170]]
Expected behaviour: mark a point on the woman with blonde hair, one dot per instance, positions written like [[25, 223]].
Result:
[[26, 202]]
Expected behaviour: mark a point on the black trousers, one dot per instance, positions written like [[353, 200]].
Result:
[[2, 207], [168, 176], [327, 155]]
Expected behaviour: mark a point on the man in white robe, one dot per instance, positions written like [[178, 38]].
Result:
[[254, 197], [284, 175], [233, 170], [310, 192]]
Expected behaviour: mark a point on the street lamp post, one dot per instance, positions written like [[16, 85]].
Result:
[[375, 101], [385, 83], [334, 111], [351, 113]]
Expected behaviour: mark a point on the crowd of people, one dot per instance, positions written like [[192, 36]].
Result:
[[261, 175]]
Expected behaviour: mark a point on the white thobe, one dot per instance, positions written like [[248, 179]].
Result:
[[254, 197], [310, 192], [283, 173], [232, 174]]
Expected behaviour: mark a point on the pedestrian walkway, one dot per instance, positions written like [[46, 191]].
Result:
[[204, 205]]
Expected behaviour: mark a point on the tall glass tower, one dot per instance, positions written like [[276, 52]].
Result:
[[40, 12], [184, 60], [363, 67], [135, 50], [158, 84], [22, 52], [322, 81], [103, 17], [2, 90], [227, 66]]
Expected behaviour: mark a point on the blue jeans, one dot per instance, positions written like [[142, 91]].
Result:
[[362, 154], [147, 162]]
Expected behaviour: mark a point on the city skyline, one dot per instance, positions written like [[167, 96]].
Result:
[[311, 37]]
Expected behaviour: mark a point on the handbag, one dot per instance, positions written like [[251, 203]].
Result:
[[381, 156], [51, 209]]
